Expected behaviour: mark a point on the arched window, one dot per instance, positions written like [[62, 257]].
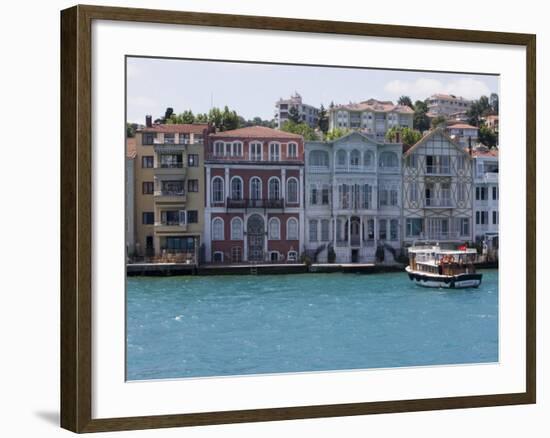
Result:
[[292, 151], [318, 158], [274, 188], [292, 190], [217, 229], [292, 229], [388, 159], [236, 228], [217, 189], [274, 229], [341, 158], [355, 158], [236, 188], [368, 159], [255, 188]]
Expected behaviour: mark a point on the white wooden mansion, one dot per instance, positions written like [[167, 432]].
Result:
[[486, 193], [437, 191], [353, 197]]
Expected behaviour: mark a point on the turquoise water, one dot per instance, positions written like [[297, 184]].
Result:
[[234, 325]]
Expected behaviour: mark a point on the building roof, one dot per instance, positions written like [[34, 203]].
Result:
[[447, 96], [430, 134], [462, 126], [492, 117], [131, 151], [484, 151], [256, 132], [374, 105], [185, 128]]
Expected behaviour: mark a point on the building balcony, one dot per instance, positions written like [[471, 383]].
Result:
[[438, 203], [170, 147], [170, 227], [438, 171], [170, 169], [170, 196], [255, 203]]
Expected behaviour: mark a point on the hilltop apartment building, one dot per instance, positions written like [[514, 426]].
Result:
[[308, 114], [447, 104], [372, 117], [169, 189]]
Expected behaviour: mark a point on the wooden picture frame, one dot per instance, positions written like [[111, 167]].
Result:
[[76, 218]]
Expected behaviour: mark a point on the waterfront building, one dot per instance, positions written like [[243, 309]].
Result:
[[463, 133], [353, 198], [446, 104], [437, 190], [308, 114], [254, 196], [372, 117], [129, 202], [169, 189], [486, 193]]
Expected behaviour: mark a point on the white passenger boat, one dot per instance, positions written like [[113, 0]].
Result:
[[431, 266]]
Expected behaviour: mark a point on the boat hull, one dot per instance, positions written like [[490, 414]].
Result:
[[460, 281]]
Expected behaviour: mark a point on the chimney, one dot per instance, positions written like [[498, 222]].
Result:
[[148, 121]]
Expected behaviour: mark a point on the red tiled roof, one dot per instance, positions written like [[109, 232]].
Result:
[[485, 152], [186, 128], [131, 147], [462, 126], [256, 132]]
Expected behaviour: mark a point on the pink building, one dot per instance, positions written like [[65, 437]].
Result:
[[254, 196]]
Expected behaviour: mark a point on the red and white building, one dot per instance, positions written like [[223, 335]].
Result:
[[254, 196]]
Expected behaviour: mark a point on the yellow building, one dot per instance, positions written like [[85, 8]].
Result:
[[169, 191]]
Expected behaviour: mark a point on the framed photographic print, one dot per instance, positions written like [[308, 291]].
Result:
[[269, 218]]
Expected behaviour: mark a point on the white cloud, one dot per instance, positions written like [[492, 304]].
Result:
[[421, 88]]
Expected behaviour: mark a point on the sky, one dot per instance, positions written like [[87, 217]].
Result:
[[252, 89]]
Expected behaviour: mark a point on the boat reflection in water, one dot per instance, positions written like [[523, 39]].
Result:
[[432, 266]]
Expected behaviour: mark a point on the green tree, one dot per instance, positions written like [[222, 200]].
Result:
[[408, 136], [493, 99], [230, 119], [201, 118], [302, 129], [487, 136], [439, 121], [479, 109], [323, 120], [336, 133], [421, 121], [294, 115], [406, 101], [215, 118], [168, 113]]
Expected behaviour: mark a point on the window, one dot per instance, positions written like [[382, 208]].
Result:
[[148, 218], [172, 188], [179, 244], [292, 150], [393, 197], [217, 229], [218, 149], [192, 217], [318, 159], [325, 195], [383, 199], [170, 161], [236, 228], [149, 138], [445, 194], [237, 149], [313, 192], [192, 185], [482, 217], [413, 161], [355, 158], [341, 158], [495, 217], [255, 188], [414, 192], [274, 152], [388, 160], [370, 229], [236, 188], [368, 159], [217, 189], [148, 187], [313, 231], [292, 190], [325, 227], [481, 193], [292, 229], [414, 227], [343, 196], [274, 229], [464, 226], [274, 188], [172, 217], [274, 256], [183, 138], [147, 161], [193, 160], [495, 193], [255, 151], [461, 189], [367, 196], [218, 257], [236, 254], [169, 138], [394, 226]]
